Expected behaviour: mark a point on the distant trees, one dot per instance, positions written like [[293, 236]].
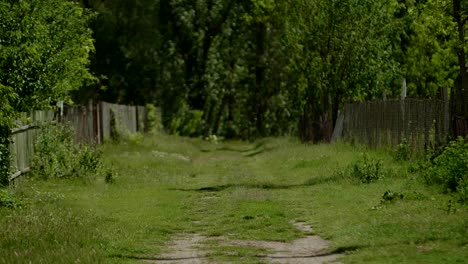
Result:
[[342, 52], [242, 69]]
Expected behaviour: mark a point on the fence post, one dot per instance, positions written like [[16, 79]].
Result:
[[338, 131], [446, 120], [403, 89]]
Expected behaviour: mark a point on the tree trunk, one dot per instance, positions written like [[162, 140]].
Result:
[[461, 93], [260, 78]]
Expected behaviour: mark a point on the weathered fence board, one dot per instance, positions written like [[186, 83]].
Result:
[[121, 119], [92, 123], [23, 139], [420, 123], [81, 119]]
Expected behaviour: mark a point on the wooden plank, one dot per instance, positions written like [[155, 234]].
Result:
[[19, 173], [23, 128]]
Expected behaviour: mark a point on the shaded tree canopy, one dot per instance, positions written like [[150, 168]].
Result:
[[241, 69]]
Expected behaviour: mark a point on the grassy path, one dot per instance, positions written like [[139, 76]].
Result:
[[225, 196]]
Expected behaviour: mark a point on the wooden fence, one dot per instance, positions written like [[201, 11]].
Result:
[[92, 124], [23, 138], [420, 123]]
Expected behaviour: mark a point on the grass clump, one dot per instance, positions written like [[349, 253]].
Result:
[[450, 169], [402, 151], [49, 233], [56, 155], [363, 170], [8, 199], [367, 170]]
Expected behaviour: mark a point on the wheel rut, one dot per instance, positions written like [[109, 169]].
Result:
[[311, 249]]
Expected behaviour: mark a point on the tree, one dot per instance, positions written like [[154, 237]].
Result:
[[342, 53], [44, 49]]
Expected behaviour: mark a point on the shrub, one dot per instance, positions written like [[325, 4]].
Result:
[[366, 170], [154, 122], [450, 168], [402, 151], [5, 160], [189, 123], [56, 155], [8, 200]]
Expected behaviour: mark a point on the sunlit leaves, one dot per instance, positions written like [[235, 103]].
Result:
[[45, 47]]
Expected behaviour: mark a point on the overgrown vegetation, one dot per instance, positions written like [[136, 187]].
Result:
[[56, 155], [450, 169], [367, 170], [363, 170], [250, 191], [253, 68], [403, 151], [8, 199], [44, 55]]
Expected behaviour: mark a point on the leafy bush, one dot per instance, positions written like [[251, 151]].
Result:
[[7, 115], [56, 155], [363, 170], [8, 200], [366, 170], [154, 122], [188, 123], [402, 151], [5, 157], [450, 168]]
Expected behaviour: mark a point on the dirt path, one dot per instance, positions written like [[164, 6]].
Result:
[[184, 249], [307, 250]]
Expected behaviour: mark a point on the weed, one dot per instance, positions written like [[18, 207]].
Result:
[[5, 155], [367, 170], [135, 138], [57, 156], [391, 196], [187, 122], [213, 139], [109, 176], [402, 151], [154, 123], [8, 199], [450, 169], [387, 198]]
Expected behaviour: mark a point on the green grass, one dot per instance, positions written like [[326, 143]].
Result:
[[170, 185]]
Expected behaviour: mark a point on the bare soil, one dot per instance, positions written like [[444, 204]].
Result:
[[308, 250]]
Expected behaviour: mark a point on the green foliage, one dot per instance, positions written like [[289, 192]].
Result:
[[135, 138], [228, 191], [427, 46], [391, 196], [7, 115], [388, 197], [259, 67], [366, 169], [109, 177], [153, 120], [57, 156], [402, 151], [187, 123], [450, 168], [44, 50], [8, 199], [5, 156]]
